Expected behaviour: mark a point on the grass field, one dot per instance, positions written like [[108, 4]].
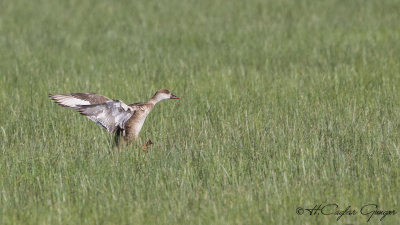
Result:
[[284, 104]]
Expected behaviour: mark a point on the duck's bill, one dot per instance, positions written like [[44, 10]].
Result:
[[174, 97]]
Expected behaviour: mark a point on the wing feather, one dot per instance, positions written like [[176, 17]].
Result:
[[75, 99], [110, 115]]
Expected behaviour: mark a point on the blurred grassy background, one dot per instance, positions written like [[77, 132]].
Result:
[[284, 104]]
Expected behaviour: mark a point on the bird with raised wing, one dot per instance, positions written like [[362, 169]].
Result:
[[125, 121]]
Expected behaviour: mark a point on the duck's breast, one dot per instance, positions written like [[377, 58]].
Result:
[[135, 123]]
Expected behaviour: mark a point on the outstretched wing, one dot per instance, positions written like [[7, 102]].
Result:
[[110, 115], [75, 99]]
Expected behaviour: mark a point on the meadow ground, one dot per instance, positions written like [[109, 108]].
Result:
[[285, 104]]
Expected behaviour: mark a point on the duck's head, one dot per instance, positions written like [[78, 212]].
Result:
[[163, 94]]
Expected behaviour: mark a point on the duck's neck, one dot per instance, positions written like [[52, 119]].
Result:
[[155, 99]]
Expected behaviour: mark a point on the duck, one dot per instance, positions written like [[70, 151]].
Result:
[[122, 120]]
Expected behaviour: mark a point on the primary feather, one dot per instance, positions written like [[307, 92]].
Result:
[[75, 99]]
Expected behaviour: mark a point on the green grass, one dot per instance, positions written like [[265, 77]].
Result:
[[284, 104]]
